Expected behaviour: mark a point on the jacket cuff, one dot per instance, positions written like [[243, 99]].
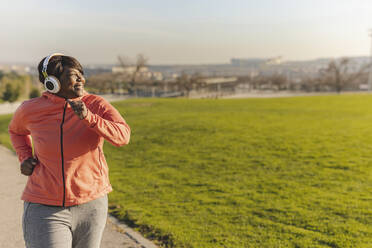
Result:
[[23, 157], [90, 119]]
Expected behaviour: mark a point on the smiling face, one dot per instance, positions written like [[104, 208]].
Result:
[[72, 83]]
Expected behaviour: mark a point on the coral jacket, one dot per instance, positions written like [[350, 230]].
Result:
[[72, 168]]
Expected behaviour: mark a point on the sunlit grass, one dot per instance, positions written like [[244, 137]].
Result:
[[281, 172]]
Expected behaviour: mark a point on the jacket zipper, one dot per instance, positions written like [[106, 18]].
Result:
[[63, 169]]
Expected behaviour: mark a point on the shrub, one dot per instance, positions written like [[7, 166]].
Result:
[[11, 93], [34, 93]]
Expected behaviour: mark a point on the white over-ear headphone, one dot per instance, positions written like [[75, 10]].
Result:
[[51, 83]]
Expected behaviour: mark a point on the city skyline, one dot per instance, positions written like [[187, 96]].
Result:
[[184, 32]]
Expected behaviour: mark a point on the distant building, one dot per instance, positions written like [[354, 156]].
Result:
[[274, 61], [125, 70], [219, 80], [255, 62], [158, 76], [247, 62]]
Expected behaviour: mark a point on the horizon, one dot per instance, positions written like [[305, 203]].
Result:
[[193, 64]]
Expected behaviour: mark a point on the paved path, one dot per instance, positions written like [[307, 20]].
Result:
[[11, 186], [8, 108]]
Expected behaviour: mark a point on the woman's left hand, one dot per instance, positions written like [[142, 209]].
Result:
[[28, 165], [79, 108]]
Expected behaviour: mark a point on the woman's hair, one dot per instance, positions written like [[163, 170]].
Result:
[[57, 64]]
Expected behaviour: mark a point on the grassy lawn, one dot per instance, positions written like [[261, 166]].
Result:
[[280, 172], [4, 136]]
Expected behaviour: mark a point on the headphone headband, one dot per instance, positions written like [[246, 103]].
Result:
[[46, 61]]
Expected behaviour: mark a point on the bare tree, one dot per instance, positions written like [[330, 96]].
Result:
[[134, 74], [338, 74], [141, 62], [258, 81], [108, 83], [279, 81], [123, 61], [186, 83]]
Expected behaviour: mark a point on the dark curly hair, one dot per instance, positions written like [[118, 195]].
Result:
[[57, 64]]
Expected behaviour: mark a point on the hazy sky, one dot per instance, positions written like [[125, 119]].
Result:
[[184, 31]]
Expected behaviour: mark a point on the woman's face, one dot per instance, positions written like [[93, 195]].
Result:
[[72, 83]]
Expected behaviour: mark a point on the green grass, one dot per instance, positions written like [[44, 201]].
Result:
[[4, 136], [281, 172]]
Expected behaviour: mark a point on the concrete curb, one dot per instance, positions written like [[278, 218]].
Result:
[[135, 236]]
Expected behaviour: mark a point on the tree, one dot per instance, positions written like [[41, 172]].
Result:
[[338, 74], [11, 93], [279, 81], [184, 83], [258, 81], [134, 74], [107, 83], [34, 93], [14, 86]]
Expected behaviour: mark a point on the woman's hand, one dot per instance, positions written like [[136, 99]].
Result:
[[27, 166], [79, 108]]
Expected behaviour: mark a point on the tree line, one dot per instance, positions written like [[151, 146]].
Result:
[[14, 87], [339, 75]]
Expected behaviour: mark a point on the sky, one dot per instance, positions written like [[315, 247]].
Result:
[[183, 31]]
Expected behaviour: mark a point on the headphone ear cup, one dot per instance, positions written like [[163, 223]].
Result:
[[52, 84]]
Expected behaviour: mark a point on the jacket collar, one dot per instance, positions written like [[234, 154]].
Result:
[[57, 99]]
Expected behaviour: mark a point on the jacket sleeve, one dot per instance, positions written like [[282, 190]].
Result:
[[20, 135], [109, 124]]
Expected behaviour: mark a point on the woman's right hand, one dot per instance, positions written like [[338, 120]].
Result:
[[27, 166]]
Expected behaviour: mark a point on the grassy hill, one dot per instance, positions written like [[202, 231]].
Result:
[[280, 172]]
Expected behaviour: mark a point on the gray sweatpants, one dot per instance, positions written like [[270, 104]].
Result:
[[64, 227]]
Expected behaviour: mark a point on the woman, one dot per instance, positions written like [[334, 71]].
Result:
[[65, 199]]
